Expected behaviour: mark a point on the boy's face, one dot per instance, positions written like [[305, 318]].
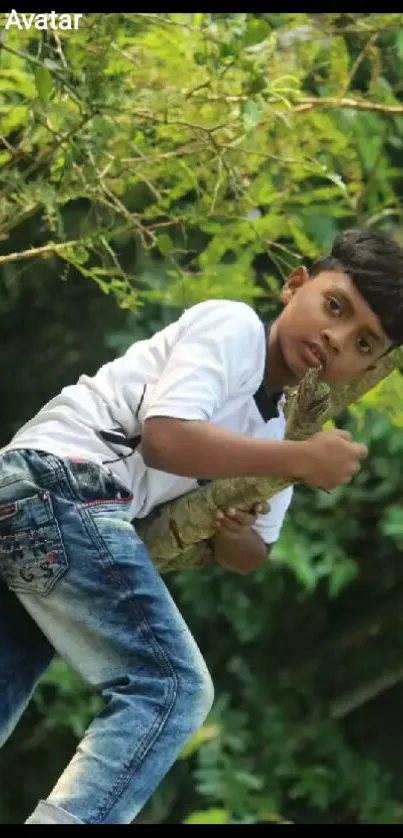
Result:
[[325, 320]]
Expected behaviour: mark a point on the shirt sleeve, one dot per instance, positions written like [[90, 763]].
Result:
[[219, 349], [269, 526]]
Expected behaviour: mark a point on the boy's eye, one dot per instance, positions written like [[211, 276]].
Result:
[[363, 346], [333, 305]]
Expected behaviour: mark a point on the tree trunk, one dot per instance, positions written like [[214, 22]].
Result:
[[177, 533]]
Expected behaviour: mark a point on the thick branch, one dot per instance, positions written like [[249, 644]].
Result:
[[177, 534]]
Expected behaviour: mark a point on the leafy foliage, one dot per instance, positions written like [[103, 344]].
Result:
[[215, 156]]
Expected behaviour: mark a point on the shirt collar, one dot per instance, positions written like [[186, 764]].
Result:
[[267, 403]]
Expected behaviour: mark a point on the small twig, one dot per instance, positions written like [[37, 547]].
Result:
[[224, 97], [217, 184], [59, 49], [367, 46], [126, 55], [116, 204], [114, 257], [149, 158], [282, 247], [308, 103], [16, 152], [358, 697], [192, 125], [21, 255], [311, 103], [362, 30], [160, 224], [361, 695], [196, 89], [269, 155]]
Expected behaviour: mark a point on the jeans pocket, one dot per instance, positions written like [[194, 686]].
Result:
[[32, 555]]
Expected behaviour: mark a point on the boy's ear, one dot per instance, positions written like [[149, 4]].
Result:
[[295, 281]]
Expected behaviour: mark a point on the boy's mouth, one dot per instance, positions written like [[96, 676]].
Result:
[[312, 354]]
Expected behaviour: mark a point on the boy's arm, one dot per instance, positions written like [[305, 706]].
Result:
[[242, 555], [205, 450], [217, 358]]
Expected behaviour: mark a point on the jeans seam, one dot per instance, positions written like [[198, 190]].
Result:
[[163, 661], [131, 765]]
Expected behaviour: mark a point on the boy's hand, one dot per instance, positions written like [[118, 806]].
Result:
[[330, 458], [234, 523]]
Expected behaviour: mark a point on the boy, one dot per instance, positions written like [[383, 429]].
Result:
[[198, 398]]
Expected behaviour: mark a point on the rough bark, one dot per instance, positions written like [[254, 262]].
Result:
[[177, 533]]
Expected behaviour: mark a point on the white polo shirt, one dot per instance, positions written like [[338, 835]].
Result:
[[206, 366]]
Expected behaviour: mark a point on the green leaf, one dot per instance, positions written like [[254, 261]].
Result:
[[256, 32], [342, 574], [78, 254], [338, 180], [205, 734], [392, 523], [228, 50], [198, 18], [217, 816], [250, 115], [200, 58], [43, 82], [249, 781], [257, 83], [272, 817], [165, 244], [22, 81], [13, 118], [103, 127]]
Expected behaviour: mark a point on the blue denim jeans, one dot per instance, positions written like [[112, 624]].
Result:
[[76, 579]]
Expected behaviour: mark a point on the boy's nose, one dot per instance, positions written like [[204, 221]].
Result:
[[332, 341]]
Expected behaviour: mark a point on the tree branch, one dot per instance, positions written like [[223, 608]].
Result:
[[366, 692], [39, 251], [55, 247], [44, 156], [309, 103], [312, 103], [358, 61], [343, 705]]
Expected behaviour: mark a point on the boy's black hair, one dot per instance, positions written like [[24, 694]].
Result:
[[374, 263]]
